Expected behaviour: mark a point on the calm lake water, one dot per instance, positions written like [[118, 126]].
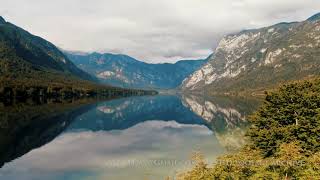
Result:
[[132, 138]]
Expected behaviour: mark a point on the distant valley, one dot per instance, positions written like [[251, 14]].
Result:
[[250, 61], [125, 71]]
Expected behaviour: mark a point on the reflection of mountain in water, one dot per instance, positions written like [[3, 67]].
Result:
[[24, 127], [125, 113], [226, 116]]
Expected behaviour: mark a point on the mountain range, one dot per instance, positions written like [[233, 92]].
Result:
[[31, 66], [258, 59], [249, 61], [125, 71]]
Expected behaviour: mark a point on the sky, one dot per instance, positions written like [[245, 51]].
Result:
[[153, 31]]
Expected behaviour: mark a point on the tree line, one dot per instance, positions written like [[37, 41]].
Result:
[[58, 86]]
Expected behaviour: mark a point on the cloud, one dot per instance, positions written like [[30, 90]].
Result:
[[150, 30], [111, 153]]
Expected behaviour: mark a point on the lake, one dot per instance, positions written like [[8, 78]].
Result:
[[136, 138]]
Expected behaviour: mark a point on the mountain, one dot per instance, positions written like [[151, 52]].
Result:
[[259, 59], [125, 71], [33, 67], [314, 17], [22, 52]]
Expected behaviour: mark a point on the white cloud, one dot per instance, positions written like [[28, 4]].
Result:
[[107, 155], [150, 30]]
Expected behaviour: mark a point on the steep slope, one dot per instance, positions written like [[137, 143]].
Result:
[[261, 58], [125, 71], [33, 67], [22, 52]]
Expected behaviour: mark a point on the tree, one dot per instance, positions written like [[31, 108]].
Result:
[[283, 140]]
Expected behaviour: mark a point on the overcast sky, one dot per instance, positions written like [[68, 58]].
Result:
[[149, 30]]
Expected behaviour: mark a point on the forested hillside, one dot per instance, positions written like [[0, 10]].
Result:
[[31, 66]]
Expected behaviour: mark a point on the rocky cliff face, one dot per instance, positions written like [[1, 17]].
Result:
[[261, 58]]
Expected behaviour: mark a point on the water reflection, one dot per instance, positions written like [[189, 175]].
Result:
[[227, 117], [29, 125], [124, 113], [131, 138]]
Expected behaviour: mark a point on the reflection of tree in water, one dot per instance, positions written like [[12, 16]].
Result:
[[29, 125], [226, 116]]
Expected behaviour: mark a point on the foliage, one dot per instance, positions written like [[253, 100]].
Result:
[[54, 85], [283, 140], [200, 170], [291, 114]]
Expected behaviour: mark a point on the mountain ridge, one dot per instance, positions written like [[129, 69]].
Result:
[[2, 20], [314, 17], [260, 59], [125, 71], [34, 51], [32, 67]]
